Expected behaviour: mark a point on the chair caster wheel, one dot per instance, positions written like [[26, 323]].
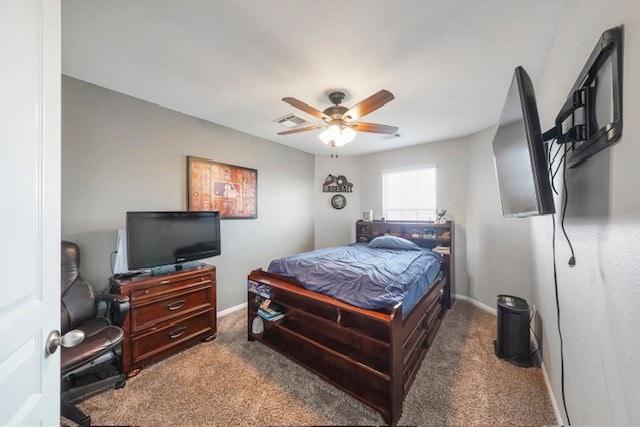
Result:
[[120, 384]]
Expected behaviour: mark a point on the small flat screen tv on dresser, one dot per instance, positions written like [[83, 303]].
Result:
[[162, 238]]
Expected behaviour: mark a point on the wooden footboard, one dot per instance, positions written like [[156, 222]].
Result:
[[372, 355]]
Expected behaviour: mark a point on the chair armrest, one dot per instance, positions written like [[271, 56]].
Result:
[[112, 298], [118, 307]]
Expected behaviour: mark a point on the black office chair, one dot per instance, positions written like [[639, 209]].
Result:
[[94, 364]]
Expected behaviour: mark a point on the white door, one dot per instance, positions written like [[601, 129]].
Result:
[[29, 210]]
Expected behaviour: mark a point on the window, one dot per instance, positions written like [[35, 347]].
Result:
[[409, 194]]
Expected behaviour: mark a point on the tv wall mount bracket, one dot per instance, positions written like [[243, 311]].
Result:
[[577, 122]]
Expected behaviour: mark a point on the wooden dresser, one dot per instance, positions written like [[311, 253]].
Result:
[[168, 313]]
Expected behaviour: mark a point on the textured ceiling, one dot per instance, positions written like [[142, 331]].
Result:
[[448, 62]]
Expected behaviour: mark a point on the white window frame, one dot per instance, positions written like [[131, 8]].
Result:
[[408, 214]]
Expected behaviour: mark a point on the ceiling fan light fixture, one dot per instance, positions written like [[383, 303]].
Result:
[[332, 133], [348, 134], [337, 136]]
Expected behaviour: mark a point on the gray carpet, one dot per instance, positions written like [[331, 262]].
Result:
[[230, 381]]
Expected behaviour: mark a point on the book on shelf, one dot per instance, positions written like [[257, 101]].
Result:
[[259, 289], [269, 311], [270, 314]]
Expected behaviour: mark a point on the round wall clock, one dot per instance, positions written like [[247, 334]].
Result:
[[338, 201]]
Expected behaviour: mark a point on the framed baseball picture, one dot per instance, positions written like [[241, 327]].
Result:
[[228, 189]]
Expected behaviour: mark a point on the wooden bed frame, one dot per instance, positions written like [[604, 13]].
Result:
[[374, 355]]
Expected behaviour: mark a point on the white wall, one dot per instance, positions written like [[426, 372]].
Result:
[[599, 296], [499, 249], [451, 181], [335, 227], [122, 154]]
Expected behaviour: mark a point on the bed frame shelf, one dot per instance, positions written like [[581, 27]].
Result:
[[427, 233], [330, 366], [335, 338]]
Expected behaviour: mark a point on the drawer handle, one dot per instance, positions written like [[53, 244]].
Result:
[[178, 332], [175, 305]]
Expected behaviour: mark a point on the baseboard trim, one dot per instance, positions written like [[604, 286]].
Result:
[[554, 403], [232, 309], [477, 304]]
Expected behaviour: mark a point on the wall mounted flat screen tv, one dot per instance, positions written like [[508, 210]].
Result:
[[162, 238], [520, 155]]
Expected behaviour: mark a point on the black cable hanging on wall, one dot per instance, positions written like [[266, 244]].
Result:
[[555, 268]]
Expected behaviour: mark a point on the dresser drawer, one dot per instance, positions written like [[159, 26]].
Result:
[[162, 340], [167, 286], [175, 305]]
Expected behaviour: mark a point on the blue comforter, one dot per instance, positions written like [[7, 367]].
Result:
[[366, 277]]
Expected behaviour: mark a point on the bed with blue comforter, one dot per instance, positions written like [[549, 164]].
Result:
[[361, 316], [366, 276]]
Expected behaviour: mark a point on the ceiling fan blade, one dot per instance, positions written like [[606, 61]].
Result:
[[287, 132], [374, 128], [306, 108], [369, 105]]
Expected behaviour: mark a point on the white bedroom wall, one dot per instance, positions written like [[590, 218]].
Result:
[[599, 296], [451, 181], [335, 227], [123, 154], [499, 249]]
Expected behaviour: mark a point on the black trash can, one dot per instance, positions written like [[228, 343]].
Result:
[[512, 343]]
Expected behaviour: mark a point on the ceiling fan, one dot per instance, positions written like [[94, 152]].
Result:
[[338, 120]]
